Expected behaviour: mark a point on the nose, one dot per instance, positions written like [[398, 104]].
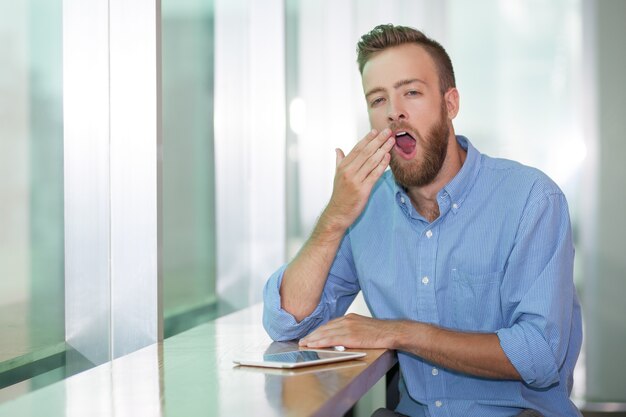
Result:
[[395, 112]]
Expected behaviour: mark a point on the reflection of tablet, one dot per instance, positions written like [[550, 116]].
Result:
[[298, 358]]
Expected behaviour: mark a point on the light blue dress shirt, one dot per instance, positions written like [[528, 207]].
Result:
[[498, 259]]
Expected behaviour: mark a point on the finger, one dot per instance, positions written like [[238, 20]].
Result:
[[324, 339], [339, 156], [372, 134], [379, 141], [370, 148], [372, 162], [378, 171]]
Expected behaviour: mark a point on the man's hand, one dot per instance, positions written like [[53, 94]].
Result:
[[476, 354], [355, 176], [353, 331]]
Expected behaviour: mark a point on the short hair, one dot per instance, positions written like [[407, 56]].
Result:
[[387, 36]]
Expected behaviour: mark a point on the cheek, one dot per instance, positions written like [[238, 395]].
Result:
[[425, 117], [377, 118]]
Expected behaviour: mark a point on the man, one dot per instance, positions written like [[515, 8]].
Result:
[[465, 261]]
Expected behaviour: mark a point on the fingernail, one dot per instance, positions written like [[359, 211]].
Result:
[[387, 131]]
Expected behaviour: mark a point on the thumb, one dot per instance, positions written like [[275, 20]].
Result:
[[339, 156]]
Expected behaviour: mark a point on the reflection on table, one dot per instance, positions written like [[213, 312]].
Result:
[[193, 374]]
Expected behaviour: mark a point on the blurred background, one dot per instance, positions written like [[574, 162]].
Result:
[[256, 95]]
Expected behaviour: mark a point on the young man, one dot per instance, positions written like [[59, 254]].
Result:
[[465, 261]]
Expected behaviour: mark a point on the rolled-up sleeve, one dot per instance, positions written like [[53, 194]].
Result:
[[339, 291], [538, 294]]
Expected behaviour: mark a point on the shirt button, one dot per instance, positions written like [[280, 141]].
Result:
[[402, 200], [425, 280], [429, 234], [438, 403], [455, 206], [435, 371]]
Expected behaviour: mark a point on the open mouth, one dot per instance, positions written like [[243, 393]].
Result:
[[405, 142]]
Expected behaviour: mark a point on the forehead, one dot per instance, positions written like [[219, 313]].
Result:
[[404, 62]]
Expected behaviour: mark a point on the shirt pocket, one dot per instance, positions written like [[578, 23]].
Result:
[[476, 299]]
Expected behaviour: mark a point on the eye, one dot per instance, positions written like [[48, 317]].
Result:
[[376, 101], [413, 93]]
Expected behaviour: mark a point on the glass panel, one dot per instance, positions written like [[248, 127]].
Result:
[[249, 146], [188, 164], [524, 82], [31, 190]]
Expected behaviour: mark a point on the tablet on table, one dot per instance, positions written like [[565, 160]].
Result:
[[298, 358]]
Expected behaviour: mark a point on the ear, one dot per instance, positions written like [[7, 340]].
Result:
[[451, 98]]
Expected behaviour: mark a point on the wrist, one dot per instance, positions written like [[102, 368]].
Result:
[[397, 335], [331, 224], [407, 335]]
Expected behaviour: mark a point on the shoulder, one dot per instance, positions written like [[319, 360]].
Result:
[[512, 177]]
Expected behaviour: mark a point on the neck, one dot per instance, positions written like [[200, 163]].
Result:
[[424, 198]]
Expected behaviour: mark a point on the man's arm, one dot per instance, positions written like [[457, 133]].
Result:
[[304, 279], [476, 354]]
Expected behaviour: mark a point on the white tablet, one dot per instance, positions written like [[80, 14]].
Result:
[[298, 358]]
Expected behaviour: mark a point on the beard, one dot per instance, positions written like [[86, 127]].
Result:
[[423, 171]]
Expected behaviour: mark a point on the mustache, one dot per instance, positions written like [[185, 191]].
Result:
[[395, 126]]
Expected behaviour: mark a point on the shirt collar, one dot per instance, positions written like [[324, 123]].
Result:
[[458, 188]]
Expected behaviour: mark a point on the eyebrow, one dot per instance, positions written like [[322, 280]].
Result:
[[397, 85]]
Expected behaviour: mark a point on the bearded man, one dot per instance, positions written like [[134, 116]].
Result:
[[465, 261]]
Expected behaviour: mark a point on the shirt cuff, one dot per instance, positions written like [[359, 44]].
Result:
[[530, 354], [279, 324]]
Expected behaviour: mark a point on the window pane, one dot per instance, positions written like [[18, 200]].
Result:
[[188, 164], [31, 186]]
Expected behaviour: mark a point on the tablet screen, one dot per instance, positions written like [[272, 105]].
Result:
[[296, 356]]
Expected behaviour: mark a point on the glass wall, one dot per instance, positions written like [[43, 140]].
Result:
[[518, 68], [249, 146], [188, 199], [31, 190], [223, 155]]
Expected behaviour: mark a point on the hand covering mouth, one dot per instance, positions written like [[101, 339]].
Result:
[[405, 142]]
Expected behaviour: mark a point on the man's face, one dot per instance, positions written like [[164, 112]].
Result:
[[402, 92]]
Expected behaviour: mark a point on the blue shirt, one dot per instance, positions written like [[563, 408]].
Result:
[[498, 259]]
